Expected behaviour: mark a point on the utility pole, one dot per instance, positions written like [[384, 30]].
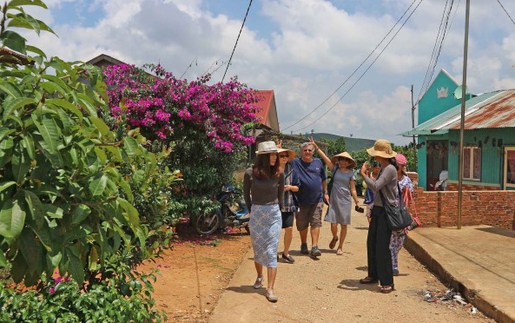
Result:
[[462, 123], [413, 119]]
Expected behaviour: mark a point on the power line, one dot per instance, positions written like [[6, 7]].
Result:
[[506, 11], [236, 43], [437, 49], [370, 65], [355, 70], [187, 68]]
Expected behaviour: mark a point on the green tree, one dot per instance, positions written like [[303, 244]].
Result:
[[334, 147], [64, 203]]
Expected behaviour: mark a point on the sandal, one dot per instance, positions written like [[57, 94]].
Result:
[[368, 280], [386, 289], [270, 296], [339, 252], [258, 284], [333, 242]]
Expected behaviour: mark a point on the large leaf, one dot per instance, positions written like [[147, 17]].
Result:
[[20, 163], [36, 51], [101, 125], [16, 3], [73, 264], [13, 41], [65, 105], [10, 106], [28, 144], [130, 214], [131, 146], [88, 104], [6, 151], [6, 185], [49, 131], [80, 213], [5, 132], [98, 185], [23, 20], [3, 260], [10, 89], [36, 210], [12, 219]]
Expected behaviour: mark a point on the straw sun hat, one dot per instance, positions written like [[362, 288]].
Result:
[[344, 155], [291, 153], [382, 148]]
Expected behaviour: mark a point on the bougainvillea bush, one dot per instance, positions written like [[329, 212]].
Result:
[[207, 126]]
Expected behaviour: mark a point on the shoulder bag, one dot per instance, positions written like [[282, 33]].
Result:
[[398, 217]]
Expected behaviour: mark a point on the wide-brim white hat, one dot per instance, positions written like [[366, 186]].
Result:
[[266, 147]]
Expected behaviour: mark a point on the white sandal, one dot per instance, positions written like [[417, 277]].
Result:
[[258, 284], [270, 296]]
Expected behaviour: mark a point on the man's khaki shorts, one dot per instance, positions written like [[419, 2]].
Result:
[[309, 215]]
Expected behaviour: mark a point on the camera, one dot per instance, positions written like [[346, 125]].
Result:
[[359, 209]]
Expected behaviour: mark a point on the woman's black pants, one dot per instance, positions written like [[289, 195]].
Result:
[[379, 257]]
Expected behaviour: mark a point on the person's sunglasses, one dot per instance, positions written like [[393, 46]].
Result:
[[283, 156], [307, 150]]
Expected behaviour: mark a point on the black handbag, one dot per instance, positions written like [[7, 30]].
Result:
[[330, 183], [398, 217]]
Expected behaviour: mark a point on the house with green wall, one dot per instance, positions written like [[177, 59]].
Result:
[[488, 137]]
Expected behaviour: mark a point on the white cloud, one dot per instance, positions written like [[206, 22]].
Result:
[[303, 50]]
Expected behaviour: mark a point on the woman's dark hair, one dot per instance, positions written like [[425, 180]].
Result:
[[262, 168], [393, 162]]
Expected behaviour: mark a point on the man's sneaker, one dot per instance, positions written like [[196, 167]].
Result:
[[315, 252], [304, 249]]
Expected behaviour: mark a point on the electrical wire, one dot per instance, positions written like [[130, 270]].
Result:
[[355, 70], [437, 49], [369, 66], [506, 11], [236, 43]]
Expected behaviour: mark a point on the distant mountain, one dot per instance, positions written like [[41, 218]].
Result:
[[351, 144]]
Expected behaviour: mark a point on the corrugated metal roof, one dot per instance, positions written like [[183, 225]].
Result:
[[488, 110]]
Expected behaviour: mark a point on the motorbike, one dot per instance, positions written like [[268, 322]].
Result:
[[232, 213]]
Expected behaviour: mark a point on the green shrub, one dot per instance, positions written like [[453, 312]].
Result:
[[125, 297]]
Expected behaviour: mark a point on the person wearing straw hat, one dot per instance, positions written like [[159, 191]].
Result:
[[342, 192], [263, 189], [290, 203], [384, 186]]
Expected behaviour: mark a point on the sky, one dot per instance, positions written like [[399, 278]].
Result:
[[345, 67]]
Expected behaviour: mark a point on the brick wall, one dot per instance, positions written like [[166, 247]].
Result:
[[440, 208], [472, 187]]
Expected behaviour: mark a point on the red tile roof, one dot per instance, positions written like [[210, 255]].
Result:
[[264, 105]]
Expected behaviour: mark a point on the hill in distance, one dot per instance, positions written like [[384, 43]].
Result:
[[351, 144]]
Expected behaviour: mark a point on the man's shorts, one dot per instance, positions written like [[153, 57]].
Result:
[[309, 215], [287, 218]]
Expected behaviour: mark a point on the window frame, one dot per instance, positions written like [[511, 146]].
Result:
[[474, 163], [509, 155]]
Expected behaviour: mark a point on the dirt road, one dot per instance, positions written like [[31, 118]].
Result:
[[328, 290]]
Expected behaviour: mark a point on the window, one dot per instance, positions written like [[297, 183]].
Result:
[[509, 166], [472, 163]]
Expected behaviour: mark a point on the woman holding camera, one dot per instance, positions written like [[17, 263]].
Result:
[[342, 192]]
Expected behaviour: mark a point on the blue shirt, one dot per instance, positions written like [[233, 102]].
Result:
[[311, 175]]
